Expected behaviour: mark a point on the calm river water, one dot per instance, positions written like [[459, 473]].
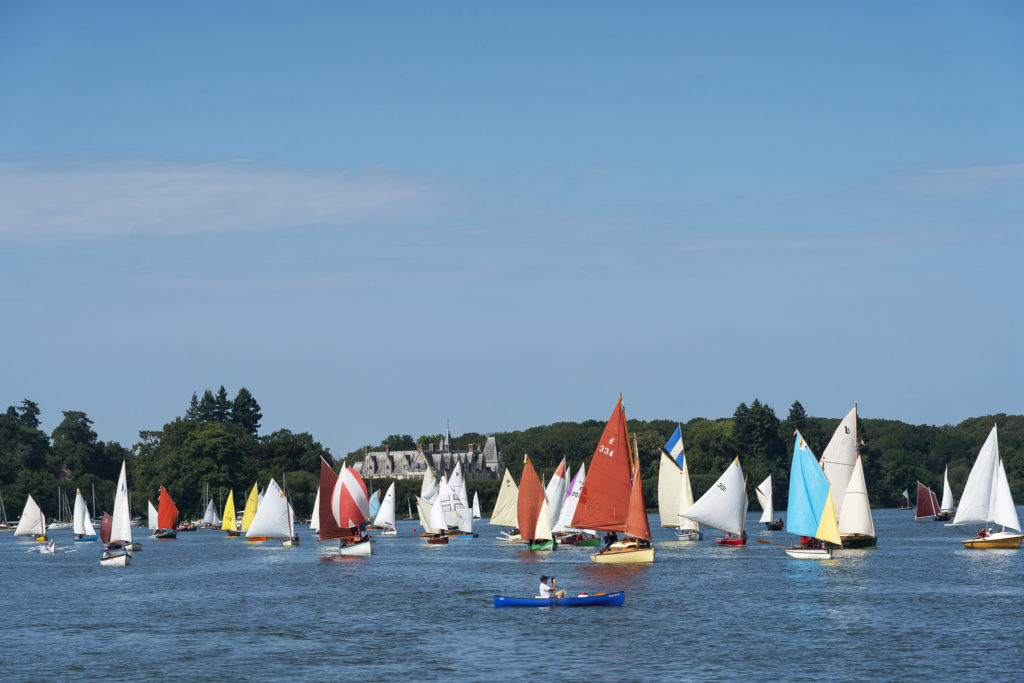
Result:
[[210, 608]]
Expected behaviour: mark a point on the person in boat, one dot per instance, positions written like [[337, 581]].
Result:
[[550, 591], [779, 522], [743, 535], [983, 533], [609, 538]]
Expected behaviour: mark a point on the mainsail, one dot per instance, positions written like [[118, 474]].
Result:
[[947, 507], [555, 492], [724, 505], [986, 497], [386, 514], [764, 497], [476, 505], [674, 492], [314, 519], [927, 502], [273, 518], [166, 514], [80, 519], [839, 456], [374, 504], [855, 517], [349, 505], [153, 516], [572, 498], [605, 497], [251, 503], [32, 522], [505, 512], [534, 518], [229, 523], [121, 528]]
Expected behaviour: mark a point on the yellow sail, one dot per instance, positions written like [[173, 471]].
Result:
[[229, 522], [828, 527], [250, 507]]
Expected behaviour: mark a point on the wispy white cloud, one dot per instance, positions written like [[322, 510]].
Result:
[[48, 204], [971, 181]]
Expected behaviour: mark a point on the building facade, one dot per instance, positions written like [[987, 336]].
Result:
[[477, 463]]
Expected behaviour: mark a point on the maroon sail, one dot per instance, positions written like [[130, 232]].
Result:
[[105, 526], [927, 504]]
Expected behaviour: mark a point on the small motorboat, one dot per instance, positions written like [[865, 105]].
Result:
[[580, 600]]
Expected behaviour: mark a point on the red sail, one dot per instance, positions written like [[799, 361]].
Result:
[[530, 501], [927, 504], [350, 502], [106, 524], [329, 528], [605, 495], [167, 513], [637, 525]]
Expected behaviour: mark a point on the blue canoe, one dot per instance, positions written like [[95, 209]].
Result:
[[610, 599]]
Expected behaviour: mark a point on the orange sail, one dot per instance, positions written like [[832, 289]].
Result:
[[167, 514], [637, 525], [606, 491], [530, 501]]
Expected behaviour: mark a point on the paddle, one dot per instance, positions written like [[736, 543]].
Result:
[[784, 545]]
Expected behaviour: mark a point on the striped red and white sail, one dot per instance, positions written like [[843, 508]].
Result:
[[350, 502]]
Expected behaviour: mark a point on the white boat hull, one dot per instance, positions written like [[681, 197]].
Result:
[[117, 560], [689, 535], [510, 538], [810, 553], [357, 549], [389, 532]]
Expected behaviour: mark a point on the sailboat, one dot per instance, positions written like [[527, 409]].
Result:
[[476, 505], [251, 503], [229, 523], [532, 511], [563, 530], [905, 501], [409, 517], [4, 524], [764, 497], [927, 503], [674, 491], [211, 520], [32, 522], [428, 487], [273, 518], [83, 528], [152, 514], [385, 518], [947, 509], [724, 506], [63, 518], [842, 466], [166, 516], [612, 497], [505, 509], [437, 525], [987, 500], [811, 513], [344, 510], [374, 504], [555, 493], [314, 519], [115, 553]]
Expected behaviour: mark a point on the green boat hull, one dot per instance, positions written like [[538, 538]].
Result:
[[542, 545]]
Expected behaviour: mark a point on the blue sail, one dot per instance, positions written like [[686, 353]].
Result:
[[674, 446], [374, 504], [809, 495]]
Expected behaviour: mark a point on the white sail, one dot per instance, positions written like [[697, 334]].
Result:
[[686, 500], [572, 499], [428, 488], [1003, 511], [457, 484], [121, 525], [424, 508], [839, 456], [211, 516], [555, 493], [978, 496], [80, 519], [855, 516], [465, 521], [947, 506], [506, 508], [153, 524], [670, 491], [314, 521], [32, 522], [386, 515], [476, 505], [724, 505], [273, 518], [764, 497], [451, 503], [543, 529], [438, 523]]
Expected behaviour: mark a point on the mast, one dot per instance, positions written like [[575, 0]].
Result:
[[94, 500], [743, 515]]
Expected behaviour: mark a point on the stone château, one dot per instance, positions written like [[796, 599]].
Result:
[[476, 463]]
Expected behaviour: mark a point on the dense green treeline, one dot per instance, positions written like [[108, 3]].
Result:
[[216, 444]]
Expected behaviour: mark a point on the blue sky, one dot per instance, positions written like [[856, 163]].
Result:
[[380, 218]]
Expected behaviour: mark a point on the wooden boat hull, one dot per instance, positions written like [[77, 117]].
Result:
[[773, 526], [810, 553], [121, 559], [291, 542], [603, 599], [165, 533], [731, 542], [438, 540], [629, 555], [859, 541], [363, 548], [541, 546], [999, 540], [232, 534]]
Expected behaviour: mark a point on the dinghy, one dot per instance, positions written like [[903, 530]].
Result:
[[385, 518], [532, 507], [166, 516], [947, 509], [612, 497], [674, 491], [115, 553], [80, 523], [724, 506], [251, 505], [811, 513], [229, 523], [343, 510], [842, 466], [927, 503], [153, 516], [563, 531], [476, 505], [764, 497], [273, 518], [905, 501], [987, 500], [32, 522], [581, 600]]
